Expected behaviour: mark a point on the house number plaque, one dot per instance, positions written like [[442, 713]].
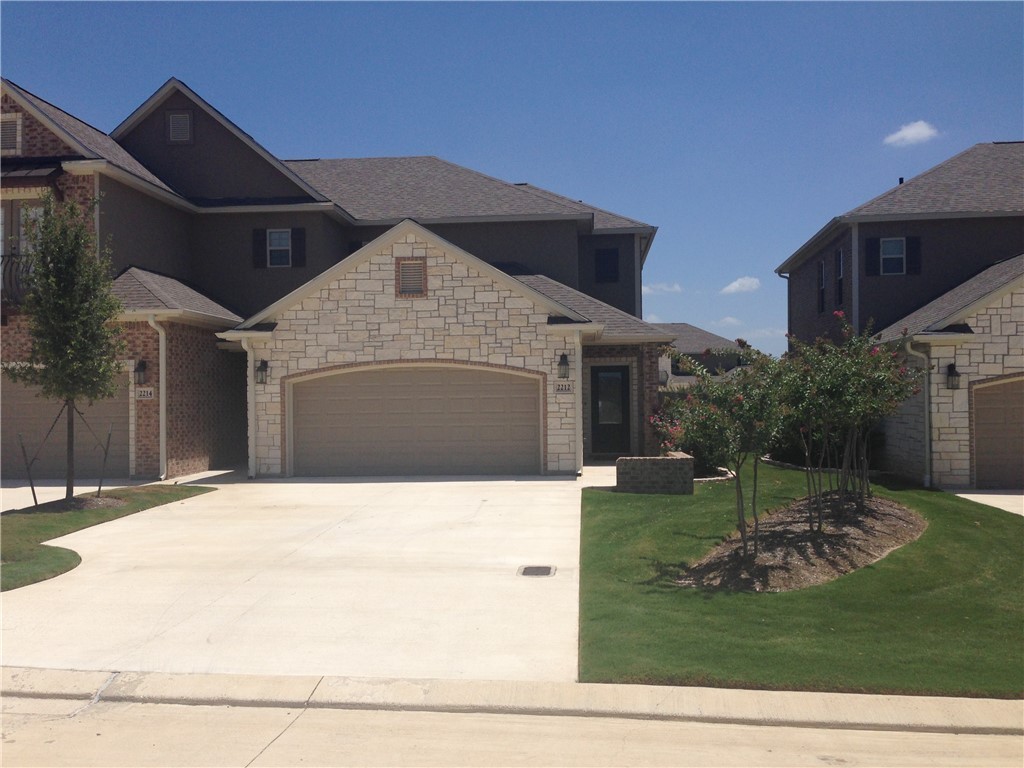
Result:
[[144, 393], [563, 387]]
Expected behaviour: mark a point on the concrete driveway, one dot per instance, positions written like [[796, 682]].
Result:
[[369, 579]]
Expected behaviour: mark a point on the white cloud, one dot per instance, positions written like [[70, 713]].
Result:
[[662, 288], [731, 322], [652, 318], [912, 133], [742, 285]]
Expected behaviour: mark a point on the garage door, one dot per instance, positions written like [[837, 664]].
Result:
[[22, 412], [417, 421], [999, 435]]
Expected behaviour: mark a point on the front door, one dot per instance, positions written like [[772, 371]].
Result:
[[609, 409]]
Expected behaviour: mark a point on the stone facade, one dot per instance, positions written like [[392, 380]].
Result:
[[995, 351], [672, 474], [467, 317]]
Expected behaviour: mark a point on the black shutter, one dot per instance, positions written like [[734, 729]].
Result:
[[913, 255], [873, 256], [299, 247], [259, 248]]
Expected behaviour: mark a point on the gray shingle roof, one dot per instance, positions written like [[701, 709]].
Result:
[[689, 339], [140, 290], [426, 188], [948, 305], [617, 324], [985, 178], [97, 145]]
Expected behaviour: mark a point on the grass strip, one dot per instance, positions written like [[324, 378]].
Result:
[[25, 560], [943, 615]]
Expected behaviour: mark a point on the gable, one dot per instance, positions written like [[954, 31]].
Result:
[[25, 136], [203, 155]]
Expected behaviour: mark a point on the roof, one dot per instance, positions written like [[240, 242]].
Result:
[[142, 291], [389, 189], [985, 180], [936, 316], [617, 324], [690, 339], [91, 142]]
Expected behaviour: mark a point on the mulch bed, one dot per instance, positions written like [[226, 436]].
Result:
[[792, 557], [75, 503]]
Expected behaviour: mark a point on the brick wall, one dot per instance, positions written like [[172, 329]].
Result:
[[903, 452], [467, 317], [36, 139], [672, 474]]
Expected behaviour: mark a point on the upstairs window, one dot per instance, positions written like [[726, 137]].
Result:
[[410, 277], [10, 134], [839, 277], [278, 248], [606, 265], [179, 126], [893, 252], [821, 286]]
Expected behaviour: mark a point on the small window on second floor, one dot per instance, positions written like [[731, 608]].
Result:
[[10, 134], [893, 255], [839, 277], [821, 286], [606, 265], [179, 126], [279, 247]]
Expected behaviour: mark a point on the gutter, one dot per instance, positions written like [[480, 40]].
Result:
[[927, 411], [162, 334]]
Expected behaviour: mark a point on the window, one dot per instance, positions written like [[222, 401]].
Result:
[[410, 277], [839, 277], [279, 247], [821, 286], [10, 134], [894, 255], [179, 127], [606, 265]]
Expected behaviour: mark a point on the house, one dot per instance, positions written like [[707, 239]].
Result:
[[938, 257], [713, 352], [331, 317]]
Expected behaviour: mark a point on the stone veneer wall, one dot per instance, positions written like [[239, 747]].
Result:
[[466, 317], [672, 474], [996, 350]]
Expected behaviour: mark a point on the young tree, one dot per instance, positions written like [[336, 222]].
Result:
[[70, 309]]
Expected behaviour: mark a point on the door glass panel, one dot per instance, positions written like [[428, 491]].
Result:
[[609, 397]]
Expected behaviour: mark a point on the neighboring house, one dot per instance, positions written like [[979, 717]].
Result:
[[711, 351], [938, 256], [405, 315]]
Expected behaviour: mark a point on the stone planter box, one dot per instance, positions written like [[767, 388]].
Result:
[[672, 474]]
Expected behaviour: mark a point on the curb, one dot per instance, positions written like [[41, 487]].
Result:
[[792, 709]]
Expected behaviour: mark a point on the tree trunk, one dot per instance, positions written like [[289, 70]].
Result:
[[69, 489], [753, 508], [741, 515]]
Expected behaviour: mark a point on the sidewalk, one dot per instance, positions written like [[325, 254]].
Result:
[[700, 705]]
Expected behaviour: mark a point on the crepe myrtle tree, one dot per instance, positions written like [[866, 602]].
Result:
[[71, 313]]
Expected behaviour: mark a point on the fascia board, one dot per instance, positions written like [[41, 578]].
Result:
[[820, 237], [942, 338], [933, 216], [473, 219], [184, 316], [26, 103], [635, 340], [985, 301], [176, 85], [87, 167]]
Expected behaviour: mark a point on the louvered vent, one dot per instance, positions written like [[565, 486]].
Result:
[[179, 127], [411, 279], [10, 134]]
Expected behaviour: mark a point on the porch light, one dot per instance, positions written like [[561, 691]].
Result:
[[952, 376], [563, 366], [139, 374], [261, 372]]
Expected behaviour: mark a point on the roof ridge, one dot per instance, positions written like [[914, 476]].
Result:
[[534, 189]]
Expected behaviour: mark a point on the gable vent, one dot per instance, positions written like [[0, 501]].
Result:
[[10, 134], [179, 127], [411, 277]]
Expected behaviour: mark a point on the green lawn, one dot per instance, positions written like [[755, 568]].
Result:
[[25, 560], [942, 615]]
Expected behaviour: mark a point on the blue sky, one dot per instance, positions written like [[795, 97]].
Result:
[[739, 129]]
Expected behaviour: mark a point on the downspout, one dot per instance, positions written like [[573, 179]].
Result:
[[927, 412], [250, 405], [162, 334]]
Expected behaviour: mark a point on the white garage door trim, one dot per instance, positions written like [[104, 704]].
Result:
[[289, 382]]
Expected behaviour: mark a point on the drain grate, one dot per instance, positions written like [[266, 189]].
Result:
[[537, 570]]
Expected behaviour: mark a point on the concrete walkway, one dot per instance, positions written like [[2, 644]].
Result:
[[706, 705], [1011, 501]]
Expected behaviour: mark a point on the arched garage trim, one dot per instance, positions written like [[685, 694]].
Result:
[[973, 389], [289, 382]]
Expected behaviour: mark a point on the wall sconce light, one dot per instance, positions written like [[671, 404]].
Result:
[[563, 366], [139, 374], [952, 376], [261, 372]]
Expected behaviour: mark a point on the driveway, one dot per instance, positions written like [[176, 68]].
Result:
[[320, 577]]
